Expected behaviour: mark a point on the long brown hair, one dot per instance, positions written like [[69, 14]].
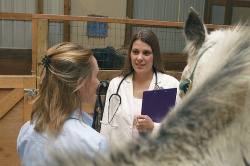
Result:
[[58, 97], [151, 39]]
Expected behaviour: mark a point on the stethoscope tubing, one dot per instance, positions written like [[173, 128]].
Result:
[[120, 99], [156, 82]]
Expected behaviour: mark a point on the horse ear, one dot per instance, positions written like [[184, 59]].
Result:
[[194, 28]]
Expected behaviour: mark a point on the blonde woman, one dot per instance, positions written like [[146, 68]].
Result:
[[69, 77]]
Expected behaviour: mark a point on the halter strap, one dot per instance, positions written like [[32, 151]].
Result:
[[187, 84], [192, 75]]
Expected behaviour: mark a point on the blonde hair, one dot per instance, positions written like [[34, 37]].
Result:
[[151, 39], [58, 96]]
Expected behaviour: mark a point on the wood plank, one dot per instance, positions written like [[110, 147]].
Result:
[[166, 24], [228, 12], [128, 28], [108, 74], [29, 83], [12, 53], [11, 81], [34, 47], [15, 16], [66, 29], [207, 11], [39, 6], [67, 7], [10, 100], [219, 2], [4, 92], [236, 3], [241, 3], [42, 41], [15, 61], [174, 62], [174, 57], [15, 66], [61, 18], [10, 125], [174, 66], [108, 20]]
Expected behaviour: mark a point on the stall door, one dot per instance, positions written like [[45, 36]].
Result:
[[16, 93]]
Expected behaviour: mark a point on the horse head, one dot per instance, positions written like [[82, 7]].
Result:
[[201, 48]]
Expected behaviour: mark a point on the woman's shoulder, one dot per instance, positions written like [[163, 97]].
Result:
[[81, 132], [27, 130], [116, 80], [167, 77]]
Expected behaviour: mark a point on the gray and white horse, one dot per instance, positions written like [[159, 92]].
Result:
[[211, 126]]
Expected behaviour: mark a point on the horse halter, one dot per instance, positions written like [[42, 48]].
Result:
[[186, 85]]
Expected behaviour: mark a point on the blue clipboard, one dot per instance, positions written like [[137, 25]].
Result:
[[157, 103]]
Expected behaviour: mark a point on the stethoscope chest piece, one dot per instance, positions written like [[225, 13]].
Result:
[[157, 87]]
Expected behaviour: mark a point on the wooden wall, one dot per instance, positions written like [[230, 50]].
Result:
[[174, 61], [19, 61], [15, 61]]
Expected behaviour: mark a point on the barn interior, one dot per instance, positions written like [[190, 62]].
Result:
[[28, 28]]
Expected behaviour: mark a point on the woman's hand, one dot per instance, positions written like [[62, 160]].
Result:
[[144, 123]]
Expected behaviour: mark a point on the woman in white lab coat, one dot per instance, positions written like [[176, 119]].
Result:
[[143, 70]]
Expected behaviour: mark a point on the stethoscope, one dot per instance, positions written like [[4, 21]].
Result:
[[120, 100]]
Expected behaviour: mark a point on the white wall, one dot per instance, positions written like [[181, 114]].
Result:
[[240, 14], [171, 39], [110, 8], [16, 34]]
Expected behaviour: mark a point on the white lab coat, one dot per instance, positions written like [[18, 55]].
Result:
[[119, 130]]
